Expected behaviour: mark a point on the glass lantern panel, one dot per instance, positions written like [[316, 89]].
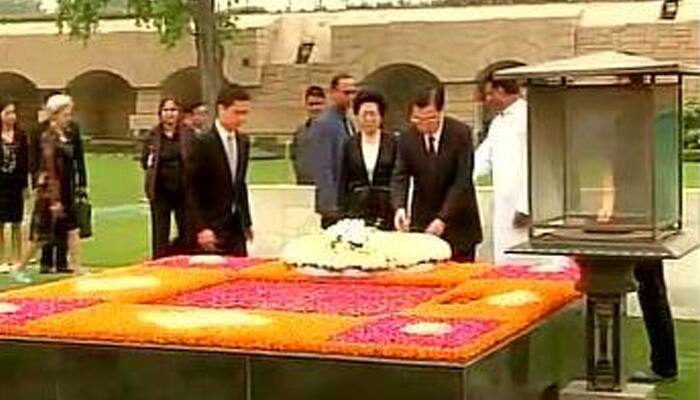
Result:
[[546, 143], [667, 163], [608, 158]]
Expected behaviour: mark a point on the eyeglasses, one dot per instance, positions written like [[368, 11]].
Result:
[[425, 120], [170, 109]]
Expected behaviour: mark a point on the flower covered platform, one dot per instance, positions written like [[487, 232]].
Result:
[[254, 329]]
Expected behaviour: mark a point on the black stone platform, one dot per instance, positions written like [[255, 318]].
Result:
[[534, 365]]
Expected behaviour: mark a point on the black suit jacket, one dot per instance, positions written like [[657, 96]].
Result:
[[360, 198], [443, 186], [150, 157], [211, 193]]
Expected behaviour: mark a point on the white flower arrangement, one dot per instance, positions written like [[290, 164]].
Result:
[[349, 247]]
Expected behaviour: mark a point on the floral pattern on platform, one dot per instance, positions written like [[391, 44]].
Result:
[[452, 313], [18, 312], [419, 332], [344, 298], [131, 284], [564, 272], [206, 261]]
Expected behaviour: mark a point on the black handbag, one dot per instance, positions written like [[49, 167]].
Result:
[[83, 214]]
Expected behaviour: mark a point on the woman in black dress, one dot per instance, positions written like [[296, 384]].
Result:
[[14, 172], [54, 191], [368, 161], [164, 159]]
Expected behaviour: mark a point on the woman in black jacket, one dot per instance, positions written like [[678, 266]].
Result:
[[164, 158], [14, 173], [368, 161]]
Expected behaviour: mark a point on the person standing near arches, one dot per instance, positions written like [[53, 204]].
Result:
[[63, 252], [14, 172], [504, 154], [329, 133], [165, 160]]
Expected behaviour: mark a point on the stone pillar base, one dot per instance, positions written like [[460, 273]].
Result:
[[576, 390]]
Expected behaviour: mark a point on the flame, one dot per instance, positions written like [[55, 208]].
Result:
[[605, 213]]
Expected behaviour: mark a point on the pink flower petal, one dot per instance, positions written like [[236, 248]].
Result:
[[388, 331], [345, 298]]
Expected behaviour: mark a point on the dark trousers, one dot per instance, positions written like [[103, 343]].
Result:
[[55, 252], [658, 320], [231, 239], [464, 255], [162, 208]]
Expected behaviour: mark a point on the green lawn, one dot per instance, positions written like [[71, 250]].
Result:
[[691, 175], [688, 347]]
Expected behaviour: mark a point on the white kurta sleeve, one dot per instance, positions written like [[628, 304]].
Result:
[[483, 157]]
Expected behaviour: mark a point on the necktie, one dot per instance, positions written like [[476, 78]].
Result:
[[431, 145], [349, 127], [232, 153]]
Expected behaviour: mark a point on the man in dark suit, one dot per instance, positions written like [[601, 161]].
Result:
[[218, 194], [437, 153], [329, 132]]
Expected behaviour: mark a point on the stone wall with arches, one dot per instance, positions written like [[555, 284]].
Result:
[[393, 51]]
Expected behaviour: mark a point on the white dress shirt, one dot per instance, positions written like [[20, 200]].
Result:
[[436, 135], [228, 138], [370, 154]]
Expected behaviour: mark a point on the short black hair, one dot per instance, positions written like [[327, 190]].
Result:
[[427, 95], [230, 94], [189, 108], [337, 78], [510, 86], [369, 96], [314, 91]]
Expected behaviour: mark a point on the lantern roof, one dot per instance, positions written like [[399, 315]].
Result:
[[603, 63]]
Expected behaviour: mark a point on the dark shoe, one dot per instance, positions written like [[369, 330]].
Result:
[[45, 269], [64, 271], [652, 377]]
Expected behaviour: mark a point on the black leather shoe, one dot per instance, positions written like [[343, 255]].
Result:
[[651, 377]]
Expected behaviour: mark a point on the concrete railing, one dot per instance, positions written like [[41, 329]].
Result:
[[283, 212]]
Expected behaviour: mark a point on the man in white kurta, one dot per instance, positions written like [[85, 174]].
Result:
[[504, 154]]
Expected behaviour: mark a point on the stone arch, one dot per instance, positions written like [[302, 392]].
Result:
[[184, 85], [398, 83], [103, 103], [28, 97]]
